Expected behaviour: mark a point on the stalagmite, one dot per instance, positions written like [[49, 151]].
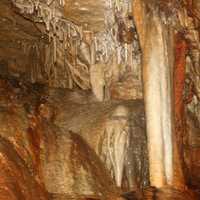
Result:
[[118, 141]]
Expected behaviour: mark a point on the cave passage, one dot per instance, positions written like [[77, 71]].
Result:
[[99, 100]]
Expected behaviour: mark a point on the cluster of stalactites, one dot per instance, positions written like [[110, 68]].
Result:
[[78, 56], [30, 6]]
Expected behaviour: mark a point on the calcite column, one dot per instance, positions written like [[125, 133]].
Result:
[[157, 50]]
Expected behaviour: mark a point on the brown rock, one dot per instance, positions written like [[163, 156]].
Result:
[[69, 166], [16, 181]]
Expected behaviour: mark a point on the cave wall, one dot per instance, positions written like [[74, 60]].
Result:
[[64, 147], [117, 54]]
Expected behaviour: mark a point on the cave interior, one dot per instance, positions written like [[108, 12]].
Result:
[[99, 99]]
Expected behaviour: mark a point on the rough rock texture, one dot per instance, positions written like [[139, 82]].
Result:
[[24, 162], [191, 97], [61, 138], [165, 193], [68, 49], [70, 167], [17, 181], [168, 32], [16, 34], [19, 178], [192, 149], [100, 48], [105, 126]]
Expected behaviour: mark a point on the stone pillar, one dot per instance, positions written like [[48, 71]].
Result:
[[156, 41]]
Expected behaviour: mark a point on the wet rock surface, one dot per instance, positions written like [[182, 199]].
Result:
[[104, 126], [70, 167], [60, 161], [66, 144], [16, 180], [62, 141], [43, 154]]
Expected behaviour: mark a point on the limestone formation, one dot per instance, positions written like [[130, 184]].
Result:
[[99, 99]]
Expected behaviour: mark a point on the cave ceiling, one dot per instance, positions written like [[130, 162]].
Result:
[[14, 30], [69, 43], [72, 44], [89, 12]]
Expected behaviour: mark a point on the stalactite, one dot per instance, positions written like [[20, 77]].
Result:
[[98, 50]]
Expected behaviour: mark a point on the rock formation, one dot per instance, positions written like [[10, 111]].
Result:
[[99, 99]]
